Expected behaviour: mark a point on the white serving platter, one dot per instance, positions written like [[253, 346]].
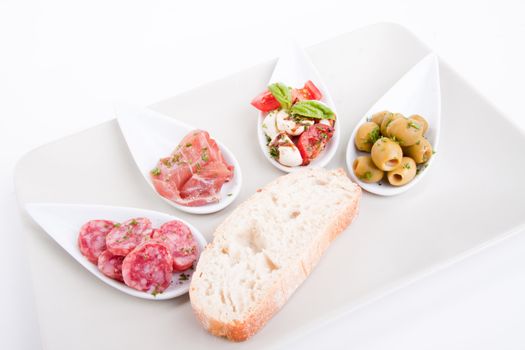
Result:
[[459, 206], [62, 222]]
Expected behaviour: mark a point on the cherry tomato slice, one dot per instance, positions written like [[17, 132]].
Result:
[[313, 141], [265, 102], [308, 92], [313, 91]]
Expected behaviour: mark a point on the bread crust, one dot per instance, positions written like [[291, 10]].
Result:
[[283, 288]]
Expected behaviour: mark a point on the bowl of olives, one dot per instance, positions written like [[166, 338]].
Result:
[[389, 152]]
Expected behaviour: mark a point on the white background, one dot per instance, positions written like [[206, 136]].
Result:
[[64, 62]]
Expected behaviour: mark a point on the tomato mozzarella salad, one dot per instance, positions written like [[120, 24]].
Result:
[[296, 124]]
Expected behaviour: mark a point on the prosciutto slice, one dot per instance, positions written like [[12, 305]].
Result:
[[194, 173]]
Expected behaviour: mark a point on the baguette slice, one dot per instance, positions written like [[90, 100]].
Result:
[[267, 247]]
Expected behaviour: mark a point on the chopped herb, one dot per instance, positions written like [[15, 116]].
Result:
[[373, 136], [421, 168], [396, 139], [433, 152], [198, 167], [406, 166], [155, 292], [117, 224], [183, 277], [189, 144], [268, 139], [412, 124], [204, 155], [230, 194], [274, 152], [418, 142], [133, 222], [155, 172], [367, 175], [176, 158]]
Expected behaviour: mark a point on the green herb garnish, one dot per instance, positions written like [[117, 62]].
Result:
[[268, 139], [117, 224], [189, 144], [367, 175], [313, 109], [406, 166], [282, 94], [412, 124], [134, 222], [274, 152], [373, 136], [183, 277], [155, 172], [204, 155]]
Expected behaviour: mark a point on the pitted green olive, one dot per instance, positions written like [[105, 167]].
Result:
[[386, 154], [365, 169], [421, 121], [404, 173], [405, 131], [378, 117], [387, 120], [366, 136], [421, 151]]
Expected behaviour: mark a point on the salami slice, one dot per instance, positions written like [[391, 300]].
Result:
[[125, 237], [148, 267], [179, 239], [92, 238], [111, 265]]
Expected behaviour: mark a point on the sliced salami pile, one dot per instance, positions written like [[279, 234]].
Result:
[[137, 254]]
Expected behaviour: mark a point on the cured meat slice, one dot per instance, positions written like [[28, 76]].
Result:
[[194, 173], [125, 237], [111, 265], [92, 238], [148, 267], [181, 243]]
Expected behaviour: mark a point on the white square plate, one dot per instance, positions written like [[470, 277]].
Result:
[[473, 195]]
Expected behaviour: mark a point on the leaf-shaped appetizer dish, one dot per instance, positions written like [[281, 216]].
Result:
[[184, 166], [297, 124], [401, 132], [63, 222]]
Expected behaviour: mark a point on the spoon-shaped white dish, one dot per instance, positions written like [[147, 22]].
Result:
[[294, 68], [63, 221], [151, 136], [417, 92]]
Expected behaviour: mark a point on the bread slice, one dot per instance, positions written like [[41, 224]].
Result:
[[267, 247]]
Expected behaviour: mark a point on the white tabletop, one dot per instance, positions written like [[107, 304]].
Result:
[[57, 56]]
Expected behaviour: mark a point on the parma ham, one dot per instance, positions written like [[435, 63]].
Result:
[[194, 173]]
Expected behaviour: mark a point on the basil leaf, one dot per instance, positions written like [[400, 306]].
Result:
[[312, 109], [282, 94]]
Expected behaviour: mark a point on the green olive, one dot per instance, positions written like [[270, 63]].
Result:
[[378, 117], [386, 154], [421, 121], [405, 131], [421, 151], [387, 120], [366, 135], [404, 173], [366, 170]]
